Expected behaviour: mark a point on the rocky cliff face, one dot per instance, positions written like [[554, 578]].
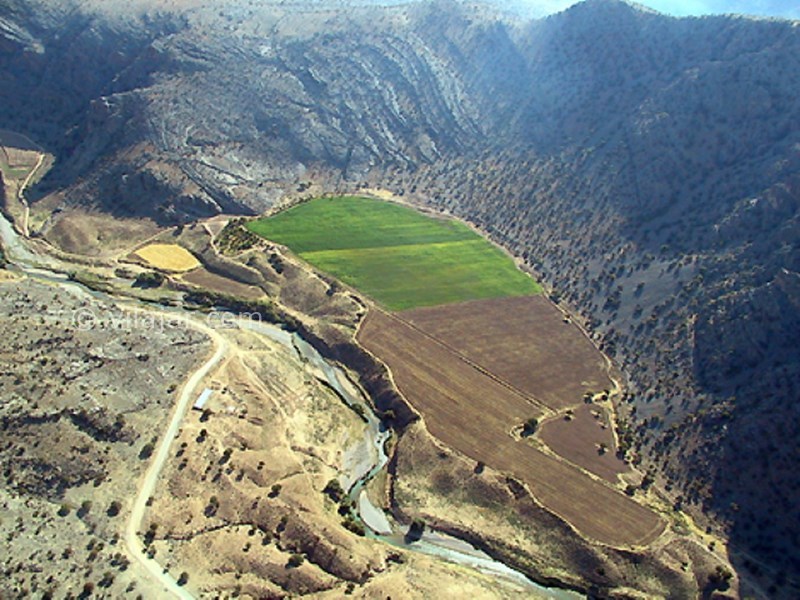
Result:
[[646, 167]]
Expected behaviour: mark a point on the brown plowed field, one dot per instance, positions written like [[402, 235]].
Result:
[[578, 441], [431, 376], [523, 341], [205, 279], [473, 413]]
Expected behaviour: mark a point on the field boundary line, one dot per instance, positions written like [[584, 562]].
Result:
[[483, 370], [305, 253]]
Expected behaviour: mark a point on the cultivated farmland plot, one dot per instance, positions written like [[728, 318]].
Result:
[[475, 349], [397, 256], [169, 257], [585, 439], [470, 413], [523, 341]]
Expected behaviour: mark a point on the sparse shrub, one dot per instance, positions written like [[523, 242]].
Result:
[[86, 506], [333, 490], [151, 534], [720, 578], [353, 525], [295, 560], [146, 451], [530, 426], [346, 507], [396, 557], [212, 507], [282, 524], [415, 530], [149, 279]]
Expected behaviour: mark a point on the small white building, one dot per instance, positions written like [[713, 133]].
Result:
[[200, 403]]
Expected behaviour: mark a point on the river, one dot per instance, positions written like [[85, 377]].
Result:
[[362, 461]]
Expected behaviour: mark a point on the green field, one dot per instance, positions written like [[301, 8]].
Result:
[[398, 256]]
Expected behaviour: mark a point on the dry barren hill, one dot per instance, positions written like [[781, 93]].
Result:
[[645, 166]]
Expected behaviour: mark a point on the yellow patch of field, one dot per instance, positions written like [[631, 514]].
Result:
[[169, 257]]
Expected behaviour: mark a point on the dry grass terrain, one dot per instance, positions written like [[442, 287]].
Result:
[[78, 409], [94, 234], [475, 415], [169, 257], [584, 437], [280, 429], [524, 341]]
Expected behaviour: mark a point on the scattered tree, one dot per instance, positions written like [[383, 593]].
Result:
[[86, 506], [146, 451], [530, 426], [295, 560], [415, 531], [149, 279], [334, 491], [720, 578]]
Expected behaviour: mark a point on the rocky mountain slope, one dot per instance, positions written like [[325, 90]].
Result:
[[645, 167]]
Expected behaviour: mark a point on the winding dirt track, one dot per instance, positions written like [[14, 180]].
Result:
[[148, 483], [21, 194]]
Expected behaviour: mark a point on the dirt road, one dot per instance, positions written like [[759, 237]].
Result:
[[21, 194], [147, 486]]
